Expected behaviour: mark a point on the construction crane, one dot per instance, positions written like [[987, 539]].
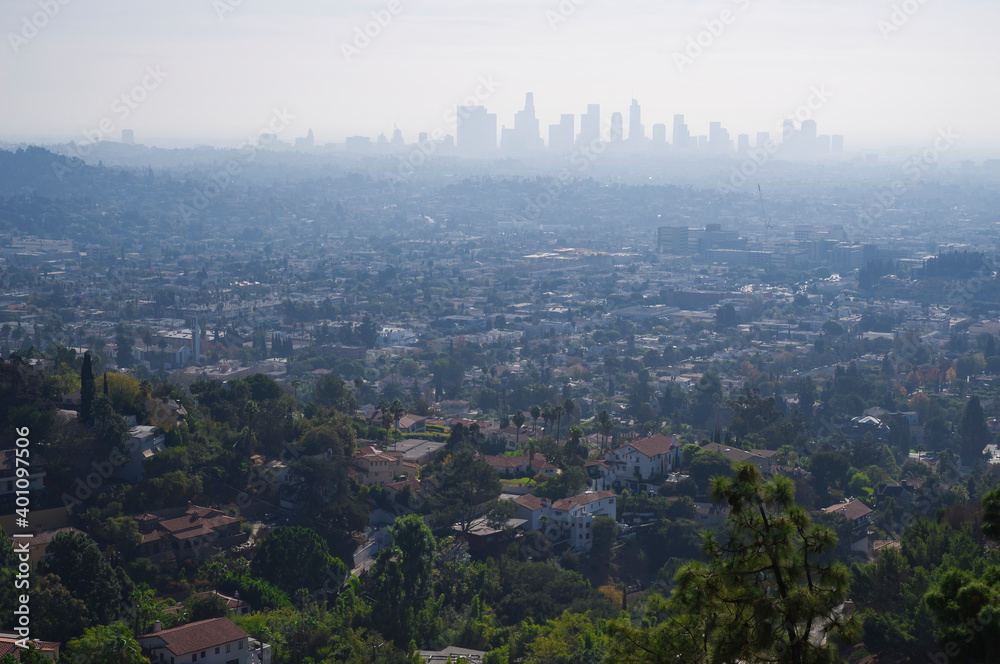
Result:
[[766, 219]]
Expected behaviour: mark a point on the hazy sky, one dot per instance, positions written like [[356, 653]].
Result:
[[226, 64]]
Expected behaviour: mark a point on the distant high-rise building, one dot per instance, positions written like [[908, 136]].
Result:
[[590, 125], [358, 143], [673, 239], [743, 143], [307, 142], [702, 143], [476, 131], [617, 131], [525, 135], [659, 134], [128, 136], [789, 138], [561, 135], [836, 144], [807, 139], [718, 139], [823, 145], [397, 138], [636, 132], [422, 137], [682, 137]]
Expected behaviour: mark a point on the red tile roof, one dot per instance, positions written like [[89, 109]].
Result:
[[567, 504], [197, 636], [529, 501], [853, 509], [654, 445]]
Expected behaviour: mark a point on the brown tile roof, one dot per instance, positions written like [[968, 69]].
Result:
[[654, 445], [567, 504], [198, 635], [854, 509], [529, 501], [504, 461], [7, 646]]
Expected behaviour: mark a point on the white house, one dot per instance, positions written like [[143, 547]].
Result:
[[644, 458], [212, 641], [575, 515], [143, 443]]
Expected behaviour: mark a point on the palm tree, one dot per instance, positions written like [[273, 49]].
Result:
[[557, 414], [536, 412], [397, 410], [547, 415], [518, 422], [604, 419], [569, 406]]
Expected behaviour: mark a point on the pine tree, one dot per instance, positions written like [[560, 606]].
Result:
[[974, 432]]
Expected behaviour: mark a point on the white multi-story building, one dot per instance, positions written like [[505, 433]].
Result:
[[213, 641]]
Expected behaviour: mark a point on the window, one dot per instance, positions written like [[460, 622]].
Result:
[[203, 654], [240, 646], [194, 657], [217, 651], [228, 646]]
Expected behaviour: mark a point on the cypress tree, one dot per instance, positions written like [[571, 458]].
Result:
[[87, 389]]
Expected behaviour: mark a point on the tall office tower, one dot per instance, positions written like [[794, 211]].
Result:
[[823, 145], [789, 139], [525, 134], [743, 143], [836, 144], [682, 137], [422, 137], [476, 132], [128, 136], [617, 131], [561, 135], [306, 142], [718, 139], [762, 138], [397, 137], [807, 139], [660, 134], [701, 142], [636, 132], [590, 125]]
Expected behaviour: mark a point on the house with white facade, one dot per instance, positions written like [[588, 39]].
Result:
[[645, 458], [143, 443], [212, 641], [571, 518]]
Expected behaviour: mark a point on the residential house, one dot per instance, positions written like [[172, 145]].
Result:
[[383, 468], [645, 458], [36, 467], [143, 443], [39, 543], [196, 532], [860, 516], [575, 515], [412, 423], [8, 646], [765, 460], [212, 641]]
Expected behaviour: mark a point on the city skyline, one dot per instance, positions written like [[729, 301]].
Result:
[[893, 79]]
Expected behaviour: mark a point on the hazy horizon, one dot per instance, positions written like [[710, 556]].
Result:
[[214, 71]]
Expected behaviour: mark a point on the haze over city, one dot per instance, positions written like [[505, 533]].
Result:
[[895, 72]]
